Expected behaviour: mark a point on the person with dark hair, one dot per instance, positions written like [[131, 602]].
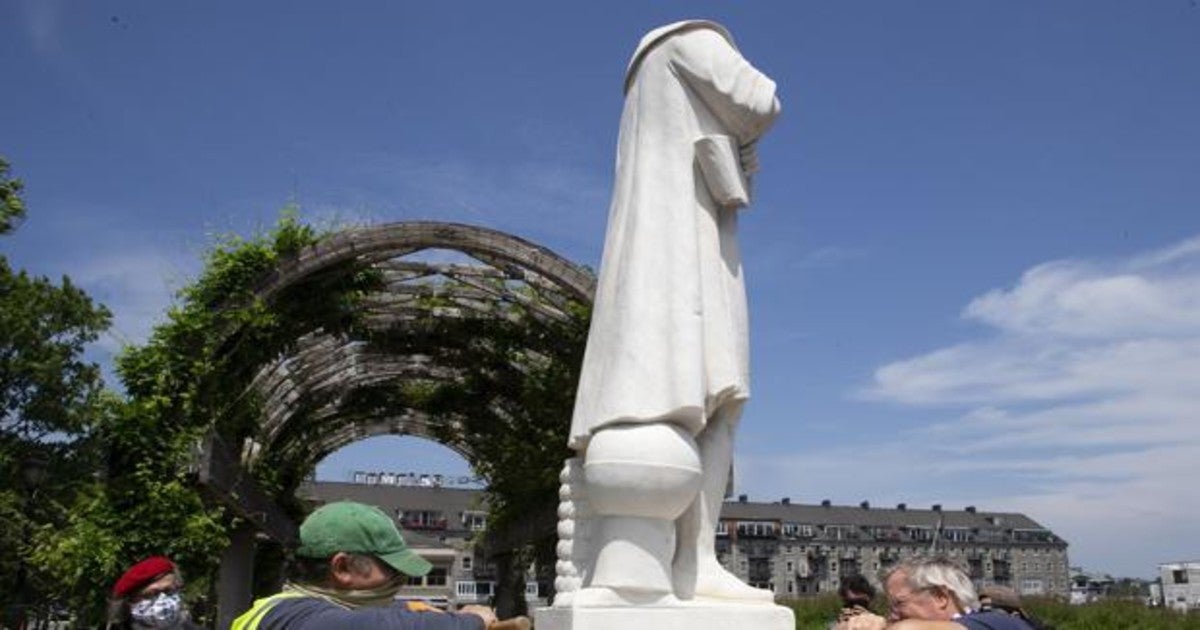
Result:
[[351, 563], [148, 595], [856, 593]]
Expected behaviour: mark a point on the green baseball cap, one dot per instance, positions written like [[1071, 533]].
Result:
[[351, 527]]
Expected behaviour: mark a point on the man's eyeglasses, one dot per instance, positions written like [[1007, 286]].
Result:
[[900, 602]]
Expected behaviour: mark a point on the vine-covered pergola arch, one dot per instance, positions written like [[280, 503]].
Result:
[[450, 332], [304, 393]]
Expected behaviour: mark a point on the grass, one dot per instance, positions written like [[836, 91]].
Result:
[[817, 612]]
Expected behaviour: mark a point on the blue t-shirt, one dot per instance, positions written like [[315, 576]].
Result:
[[992, 620], [310, 613]]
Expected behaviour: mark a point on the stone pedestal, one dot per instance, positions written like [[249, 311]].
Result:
[[688, 616]]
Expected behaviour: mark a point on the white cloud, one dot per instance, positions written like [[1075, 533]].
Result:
[[1081, 408], [1149, 296], [137, 285]]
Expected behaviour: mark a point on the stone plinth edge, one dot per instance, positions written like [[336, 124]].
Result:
[[685, 617]]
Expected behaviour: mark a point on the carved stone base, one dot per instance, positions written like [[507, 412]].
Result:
[[685, 616]]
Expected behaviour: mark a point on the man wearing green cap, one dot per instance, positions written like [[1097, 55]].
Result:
[[347, 571]]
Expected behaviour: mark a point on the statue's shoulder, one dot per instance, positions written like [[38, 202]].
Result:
[[663, 33]]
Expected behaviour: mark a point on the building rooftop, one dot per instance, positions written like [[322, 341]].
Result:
[[877, 517], [391, 498]]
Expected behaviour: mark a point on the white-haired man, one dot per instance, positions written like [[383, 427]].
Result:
[[932, 593]]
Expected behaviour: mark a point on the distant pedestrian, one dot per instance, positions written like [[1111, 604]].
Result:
[[149, 595]]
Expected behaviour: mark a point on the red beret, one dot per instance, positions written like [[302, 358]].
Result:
[[142, 574]]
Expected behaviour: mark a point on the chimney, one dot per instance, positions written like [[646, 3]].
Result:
[[901, 506], [743, 498], [787, 500], [937, 507], [866, 505], [971, 509], [826, 503]]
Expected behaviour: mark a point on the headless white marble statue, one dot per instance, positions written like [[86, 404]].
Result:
[[666, 370]]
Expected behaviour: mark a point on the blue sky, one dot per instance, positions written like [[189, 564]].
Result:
[[973, 261]]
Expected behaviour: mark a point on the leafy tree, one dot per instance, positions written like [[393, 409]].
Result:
[[46, 387], [50, 399], [187, 379], [12, 208]]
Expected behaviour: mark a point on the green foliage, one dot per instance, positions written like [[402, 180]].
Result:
[[509, 406], [50, 399], [187, 379], [12, 207], [45, 385], [815, 614], [1109, 614]]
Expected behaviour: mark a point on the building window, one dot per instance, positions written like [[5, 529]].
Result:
[[474, 521], [423, 519], [466, 563], [791, 567], [920, 534], [722, 528], [756, 529], [955, 534], [436, 577], [1179, 576]]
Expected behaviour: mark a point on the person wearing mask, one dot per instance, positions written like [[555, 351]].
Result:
[[350, 564], [149, 595]]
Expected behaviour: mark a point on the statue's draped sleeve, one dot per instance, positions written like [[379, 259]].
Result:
[[734, 91]]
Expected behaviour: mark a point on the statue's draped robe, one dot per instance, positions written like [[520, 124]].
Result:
[[668, 338]]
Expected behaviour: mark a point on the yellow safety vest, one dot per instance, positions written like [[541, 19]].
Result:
[[250, 619]]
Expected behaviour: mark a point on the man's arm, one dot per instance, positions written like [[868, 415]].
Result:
[[315, 614], [916, 624], [869, 621]]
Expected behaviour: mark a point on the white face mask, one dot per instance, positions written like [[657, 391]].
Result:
[[163, 611]]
